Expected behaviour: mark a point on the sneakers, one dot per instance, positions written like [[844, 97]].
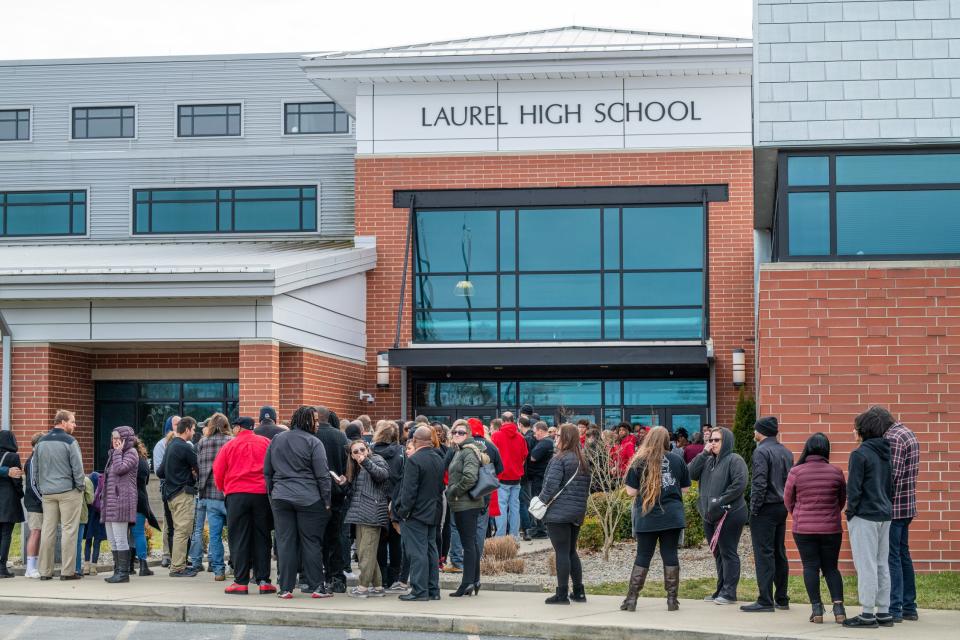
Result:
[[863, 621], [32, 574], [266, 587], [357, 592], [237, 589], [285, 595], [183, 573], [885, 619], [709, 598], [338, 586], [722, 600], [350, 575], [377, 592], [398, 588], [321, 592]]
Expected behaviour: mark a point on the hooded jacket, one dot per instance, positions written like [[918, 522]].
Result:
[[118, 486], [392, 454], [870, 481], [11, 489], [335, 445], [464, 471], [238, 467], [160, 448], [369, 495], [513, 452], [723, 479]]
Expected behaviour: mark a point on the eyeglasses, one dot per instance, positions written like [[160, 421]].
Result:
[[715, 440], [358, 451], [458, 433]]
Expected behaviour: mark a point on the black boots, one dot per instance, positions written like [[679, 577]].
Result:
[[671, 582], [816, 615], [560, 597], [579, 594], [121, 567], [839, 613], [145, 568], [637, 578]]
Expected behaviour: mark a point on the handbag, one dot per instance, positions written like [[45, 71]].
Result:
[[537, 507], [487, 481]]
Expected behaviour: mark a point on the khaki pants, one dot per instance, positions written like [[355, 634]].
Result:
[[368, 539], [182, 508], [61, 509], [165, 536]]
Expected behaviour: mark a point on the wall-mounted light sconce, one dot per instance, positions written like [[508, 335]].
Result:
[[739, 368], [383, 369]]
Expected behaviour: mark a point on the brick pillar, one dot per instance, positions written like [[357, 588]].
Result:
[[313, 378], [259, 376]]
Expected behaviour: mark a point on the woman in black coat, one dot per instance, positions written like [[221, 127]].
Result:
[[11, 492]]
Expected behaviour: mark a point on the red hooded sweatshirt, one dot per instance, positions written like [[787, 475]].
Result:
[[513, 451]]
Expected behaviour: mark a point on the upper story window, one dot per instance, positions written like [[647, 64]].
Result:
[[314, 117], [225, 210], [103, 122], [208, 120], [43, 213], [14, 124], [839, 206], [559, 274]]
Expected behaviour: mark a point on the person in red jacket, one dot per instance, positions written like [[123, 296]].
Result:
[[513, 452], [815, 493], [622, 452], [238, 473]]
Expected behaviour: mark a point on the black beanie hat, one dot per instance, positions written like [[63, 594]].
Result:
[[767, 426]]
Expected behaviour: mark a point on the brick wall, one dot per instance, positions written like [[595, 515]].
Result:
[[168, 360], [259, 376], [835, 340], [731, 233], [310, 378]]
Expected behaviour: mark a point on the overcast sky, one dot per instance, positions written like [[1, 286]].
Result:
[[95, 28]]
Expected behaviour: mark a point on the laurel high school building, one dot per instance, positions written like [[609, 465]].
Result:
[[599, 223]]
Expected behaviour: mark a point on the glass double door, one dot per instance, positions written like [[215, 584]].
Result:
[[448, 415], [689, 418]]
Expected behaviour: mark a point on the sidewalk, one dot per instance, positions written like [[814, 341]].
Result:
[[162, 598]]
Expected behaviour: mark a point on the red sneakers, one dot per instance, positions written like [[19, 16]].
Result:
[[237, 589], [266, 587]]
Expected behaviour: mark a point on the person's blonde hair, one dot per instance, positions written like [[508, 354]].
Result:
[[218, 423], [63, 416], [386, 432], [650, 457]]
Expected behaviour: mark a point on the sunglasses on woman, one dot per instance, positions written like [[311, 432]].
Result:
[[459, 433]]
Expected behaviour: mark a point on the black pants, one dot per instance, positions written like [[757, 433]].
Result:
[[768, 529], [563, 537], [647, 543], [248, 532], [299, 542], [537, 527], [6, 537], [420, 546], [167, 517], [467, 526], [820, 553], [333, 546], [726, 556], [389, 556], [443, 535]]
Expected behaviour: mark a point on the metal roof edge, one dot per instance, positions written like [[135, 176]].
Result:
[[211, 57]]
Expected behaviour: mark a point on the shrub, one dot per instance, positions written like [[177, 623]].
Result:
[[591, 535], [513, 565], [501, 548], [490, 567], [552, 564], [743, 442], [693, 535]]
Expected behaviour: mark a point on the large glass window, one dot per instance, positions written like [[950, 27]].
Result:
[[14, 124], [314, 117], [861, 205], [103, 122], [225, 210], [206, 120], [43, 213], [559, 274]]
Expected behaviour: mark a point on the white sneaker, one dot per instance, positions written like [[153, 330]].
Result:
[[398, 588], [350, 575], [32, 574]]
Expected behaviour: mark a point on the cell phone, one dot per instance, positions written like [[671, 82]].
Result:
[[336, 478]]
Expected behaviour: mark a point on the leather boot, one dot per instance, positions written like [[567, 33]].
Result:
[[133, 562], [145, 568], [816, 615], [637, 578], [121, 571], [579, 594], [671, 582], [560, 597]]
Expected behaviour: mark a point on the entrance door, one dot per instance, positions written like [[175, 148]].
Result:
[[689, 418], [645, 416], [486, 414], [572, 414]]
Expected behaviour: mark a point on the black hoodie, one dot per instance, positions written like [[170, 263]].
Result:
[[723, 479], [11, 489], [870, 481], [392, 454]]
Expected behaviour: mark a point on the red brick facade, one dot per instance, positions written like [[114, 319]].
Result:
[[310, 378], [259, 376], [730, 226], [834, 341]]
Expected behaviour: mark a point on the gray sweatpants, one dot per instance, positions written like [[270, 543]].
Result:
[[870, 543]]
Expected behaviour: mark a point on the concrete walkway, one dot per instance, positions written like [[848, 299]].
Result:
[[199, 599]]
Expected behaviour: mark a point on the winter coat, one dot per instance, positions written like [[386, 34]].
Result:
[[369, 494], [118, 486], [11, 489], [723, 479], [464, 471], [392, 454], [238, 467], [870, 481], [295, 469], [815, 493], [32, 499], [335, 446], [143, 500], [622, 453], [771, 464], [571, 505], [420, 496], [513, 451]]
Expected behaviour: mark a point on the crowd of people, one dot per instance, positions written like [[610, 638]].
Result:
[[407, 500]]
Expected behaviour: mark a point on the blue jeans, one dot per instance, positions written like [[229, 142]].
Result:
[[140, 536], [81, 529], [903, 587], [455, 556], [526, 521], [215, 514], [509, 519]]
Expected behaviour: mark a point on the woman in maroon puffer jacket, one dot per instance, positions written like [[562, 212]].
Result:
[[118, 498], [815, 494]]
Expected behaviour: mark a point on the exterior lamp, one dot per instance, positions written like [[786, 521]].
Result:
[[739, 368], [463, 289], [383, 369]]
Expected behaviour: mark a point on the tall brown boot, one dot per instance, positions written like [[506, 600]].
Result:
[[671, 582], [637, 578]]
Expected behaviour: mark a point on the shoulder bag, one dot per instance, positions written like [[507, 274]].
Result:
[[537, 507], [487, 481]]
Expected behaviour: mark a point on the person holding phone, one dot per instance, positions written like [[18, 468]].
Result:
[[367, 481], [118, 498]]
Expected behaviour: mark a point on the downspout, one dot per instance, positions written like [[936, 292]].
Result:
[[5, 375]]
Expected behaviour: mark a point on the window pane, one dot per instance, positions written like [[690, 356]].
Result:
[[425, 394], [508, 292], [611, 392], [116, 391], [267, 193], [456, 241], [611, 238], [508, 394], [160, 390], [79, 219], [184, 217], [209, 126], [612, 417], [663, 238], [898, 222], [662, 324], [611, 325], [143, 218], [456, 326], [560, 239], [932, 168], [267, 216], [38, 197], [564, 324], [567, 290], [470, 394], [203, 390], [442, 292], [38, 220], [508, 240], [233, 390], [662, 289], [661, 392], [200, 411], [508, 325], [808, 170], [808, 218], [561, 393], [611, 289], [184, 194], [8, 129], [102, 128], [309, 215]]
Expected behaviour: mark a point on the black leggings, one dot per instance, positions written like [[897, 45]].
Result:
[[727, 557], [6, 537], [563, 537], [467, 526], [820, 553], [647, 544]]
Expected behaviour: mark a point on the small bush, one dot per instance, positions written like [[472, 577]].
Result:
[[490, 567], [513, 565], [552, 564], [693, 535], [591, 535], [501, 548]]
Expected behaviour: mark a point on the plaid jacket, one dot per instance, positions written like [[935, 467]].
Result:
[[209, 448], [905, 462]]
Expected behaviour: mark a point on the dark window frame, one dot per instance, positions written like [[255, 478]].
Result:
[[781, 244], [17, 119], [193, 116], [335, 111], [71, 202], [124, 117]]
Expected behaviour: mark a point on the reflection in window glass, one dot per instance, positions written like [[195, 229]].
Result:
[[456, 241], [665, 392], [808, 170], [315, 117], [202, 390], [663, 238], [468, 394], [662, 324], [809, 224], [561, 393], [907, 168], [560, 239], [898, 222], [565, 324], [456, 326], [663, 289], [160, 390], [456, 292], [564, 290]]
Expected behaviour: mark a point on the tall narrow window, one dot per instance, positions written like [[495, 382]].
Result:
[[103, 122], [14, 124], [208, 120]]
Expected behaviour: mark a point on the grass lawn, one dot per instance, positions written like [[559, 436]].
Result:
[[934, 590], [15, 544]]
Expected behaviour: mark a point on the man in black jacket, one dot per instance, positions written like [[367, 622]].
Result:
[[768, 523], [335, 446], [419, 506], [179, 471], [268, 426], [539, 457]]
